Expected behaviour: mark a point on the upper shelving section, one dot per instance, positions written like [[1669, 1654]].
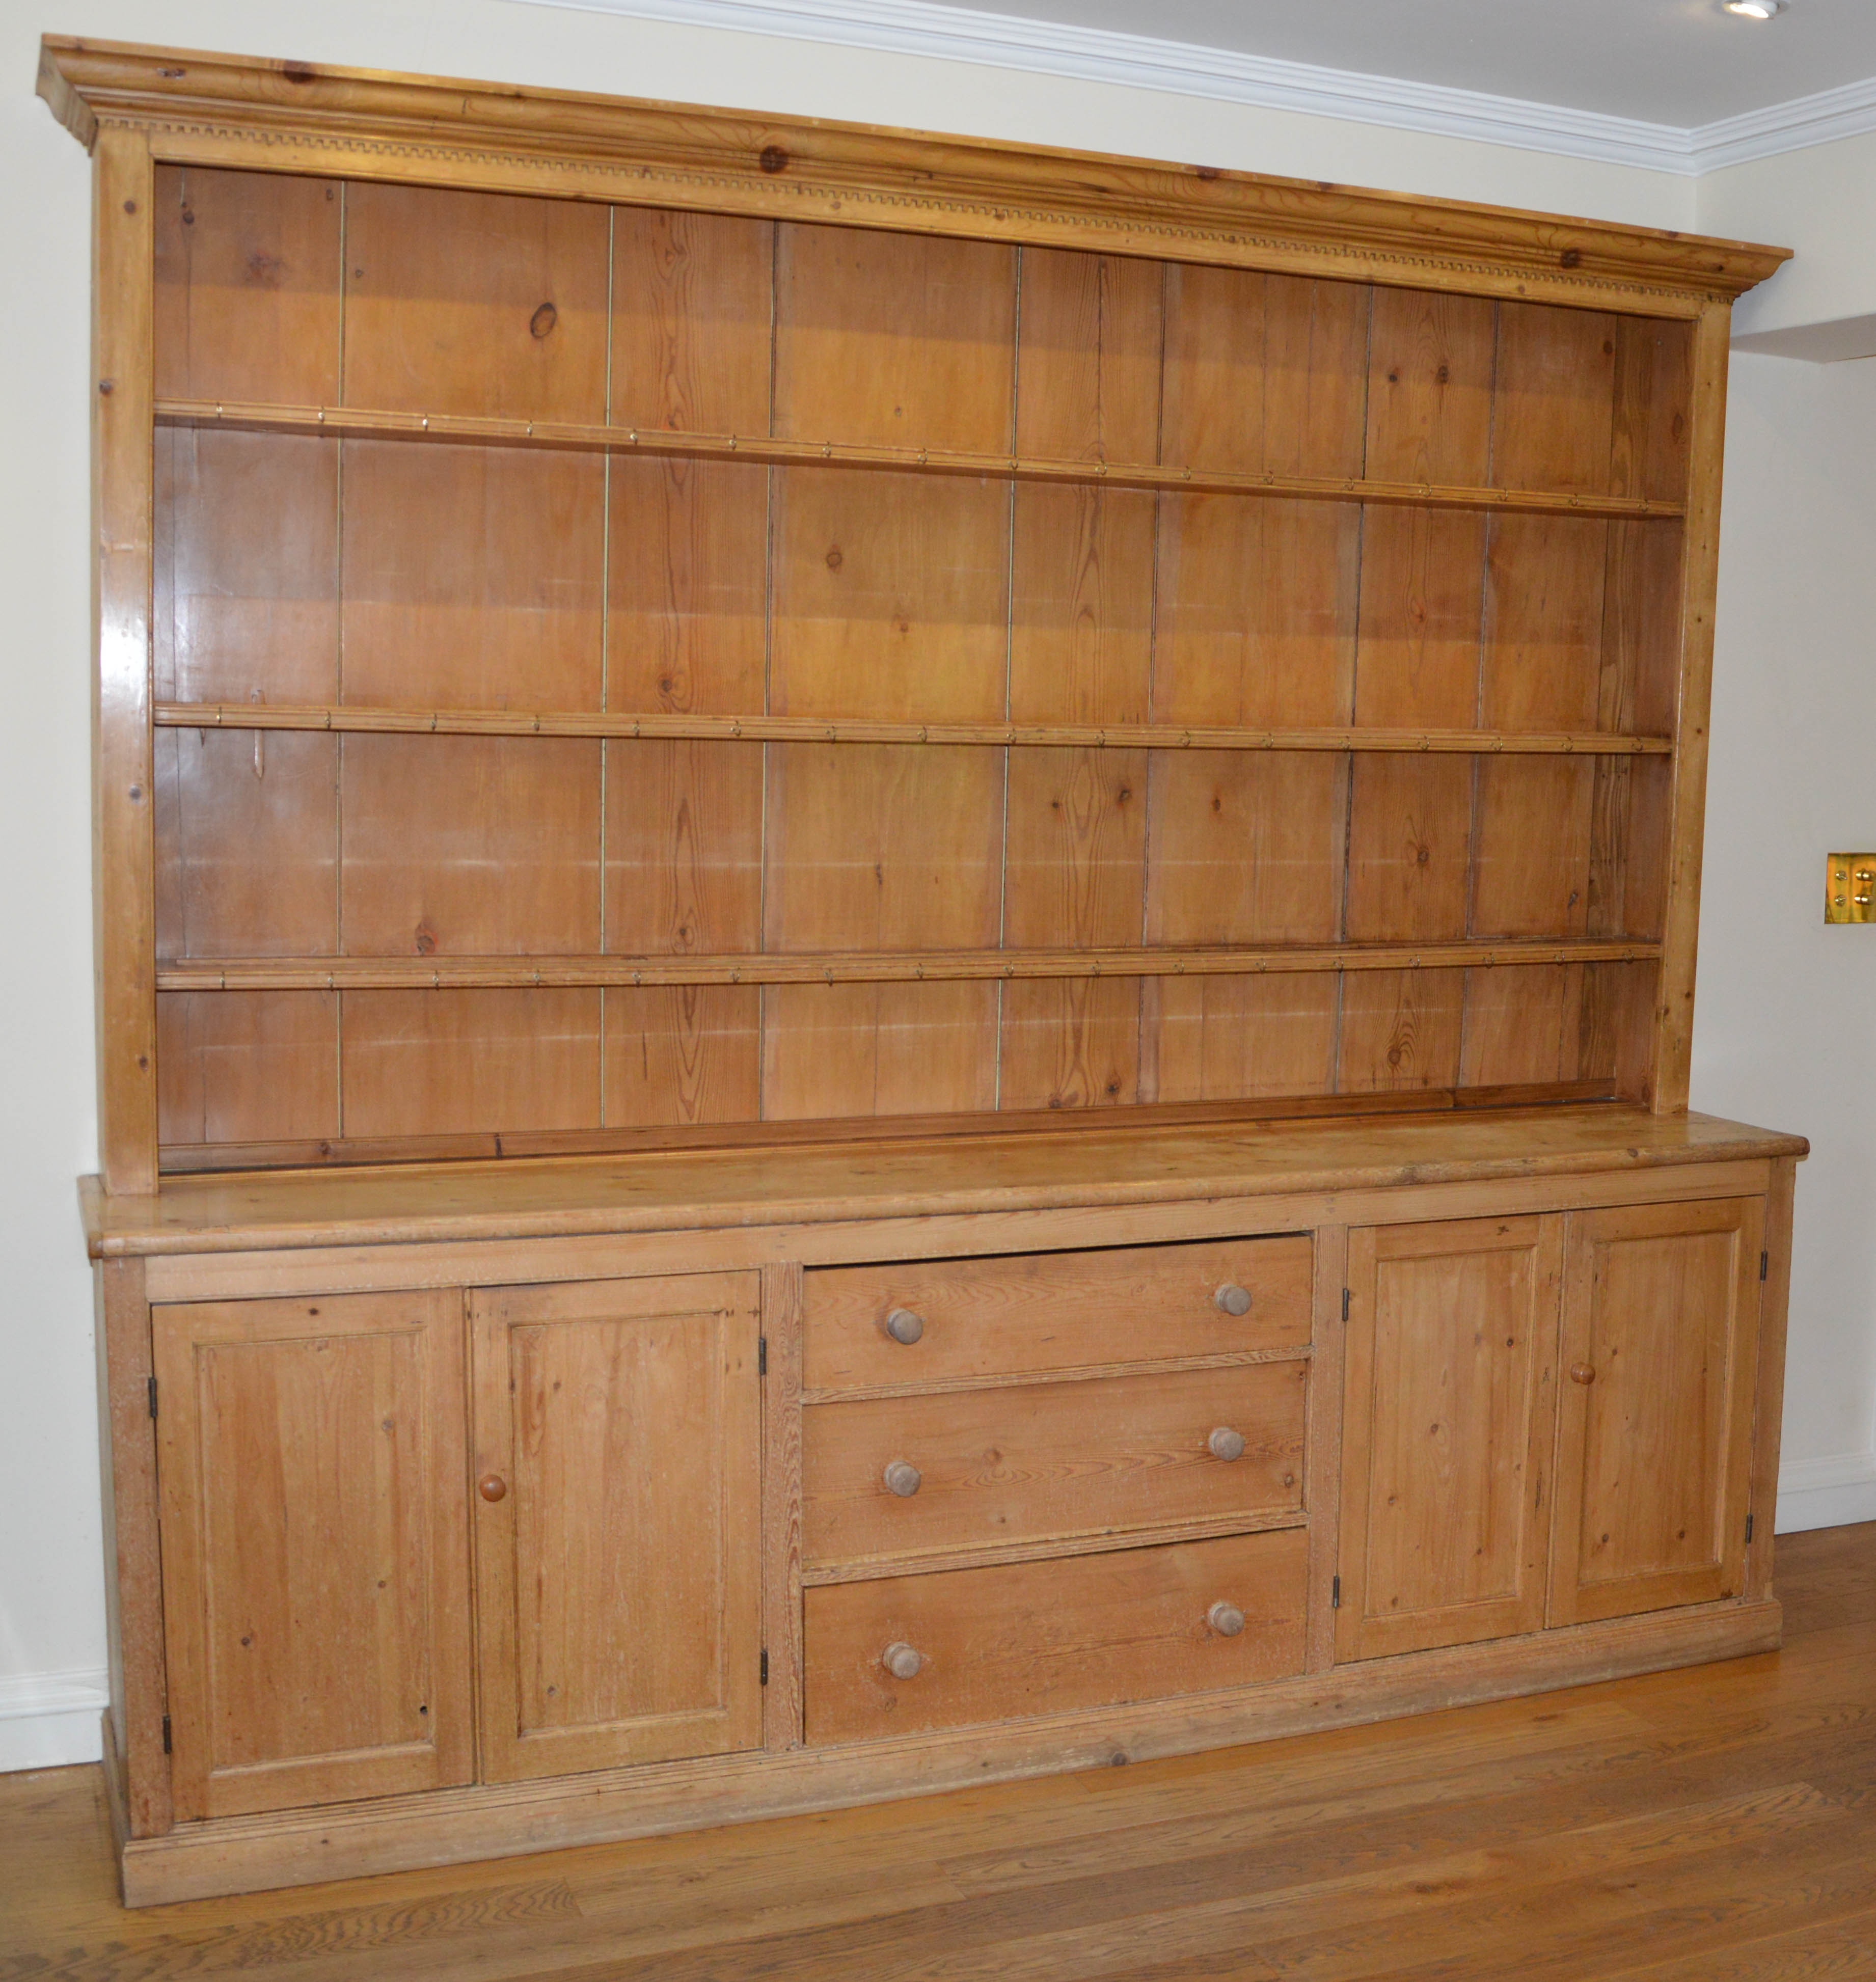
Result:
[[631, 621]]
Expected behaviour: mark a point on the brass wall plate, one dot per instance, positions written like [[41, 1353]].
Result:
[[1849, 888]]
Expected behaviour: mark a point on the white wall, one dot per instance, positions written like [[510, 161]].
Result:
[[1778, 614], [1785, 1023]]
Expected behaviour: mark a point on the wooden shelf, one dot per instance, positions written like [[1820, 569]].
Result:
[[816, 729], [419, 973], [362, 423]]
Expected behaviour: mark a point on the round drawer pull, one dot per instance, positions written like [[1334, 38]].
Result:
[[904, 1325], [903, 1478], [1226, 1444], [901, 1661], [1581, 1372], [1233, 1299], [1226, 1619], [492, 1486]]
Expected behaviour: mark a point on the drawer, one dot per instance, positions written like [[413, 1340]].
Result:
[[1052, 1637], [1033, 1460], [1019, 1314]]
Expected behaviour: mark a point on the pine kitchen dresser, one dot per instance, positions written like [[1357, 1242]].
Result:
[[896, 956]]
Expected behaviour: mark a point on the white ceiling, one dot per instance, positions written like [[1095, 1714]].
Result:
[[1680, 62]]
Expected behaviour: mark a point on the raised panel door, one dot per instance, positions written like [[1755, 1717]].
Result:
[[1450, 1374], [315, 1556], [1654, 1419], [617, 1519]]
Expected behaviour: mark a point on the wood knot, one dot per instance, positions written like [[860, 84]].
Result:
[[773, 159], [541, 322], [1208, 172], [300, 71], [425, 939], [834, 558], [1571, 257]]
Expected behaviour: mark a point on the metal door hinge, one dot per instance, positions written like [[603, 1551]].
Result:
[[761, 1355], [1335, 1594], [765, 1665], [1345, 1303], [166, 1734], [1748, 1528], [1765, 1264], [153, 1396]]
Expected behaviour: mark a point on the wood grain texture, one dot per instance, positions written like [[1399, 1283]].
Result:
[[891, 597], [893, 338], [1087, 1183], [619, 1574], [1051, 1637], [472, 576], [123, 915], [474, 303], [685, 1054], [1323, 1440], [1049, 1461], [132, 1544], [1400, 1029], [781, 1325], [683, 847], [1017, 1315], [247, 270], [1768, 1383], [1448, 1433], [1673, 1025], [1215, 1038], [438, 1063], [1655, 1451], [245, 1067], [692, 305], [246, 580], [315, 1549]]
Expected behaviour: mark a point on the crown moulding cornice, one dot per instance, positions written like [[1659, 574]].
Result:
[[303, 116]]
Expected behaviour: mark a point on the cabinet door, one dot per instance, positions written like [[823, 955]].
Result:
[[315, 1551], [618, 1533], [1449, 1420], [1654, 1423]]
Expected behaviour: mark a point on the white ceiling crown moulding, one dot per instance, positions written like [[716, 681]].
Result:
[[1228, 75]]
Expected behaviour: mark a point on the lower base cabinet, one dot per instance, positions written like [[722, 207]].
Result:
[[547, 1554]]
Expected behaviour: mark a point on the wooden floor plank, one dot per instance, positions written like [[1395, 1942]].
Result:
[[1711, 1825]]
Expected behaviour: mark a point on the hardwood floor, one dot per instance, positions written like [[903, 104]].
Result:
[[1716, 1825]]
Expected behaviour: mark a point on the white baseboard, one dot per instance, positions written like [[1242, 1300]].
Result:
[[48, 1720], [1828, 1493]]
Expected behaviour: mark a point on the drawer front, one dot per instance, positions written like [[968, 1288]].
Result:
[[1052, 1637], [1031, 1461], [1019, 1314]]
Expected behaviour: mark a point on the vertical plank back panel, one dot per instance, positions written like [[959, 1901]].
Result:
[[247, 286], [900, 340], [472, 577], [1237, 1038], [475, 302], [693, 305]]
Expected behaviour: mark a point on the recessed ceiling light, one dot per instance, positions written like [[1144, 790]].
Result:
[[1755, 10]]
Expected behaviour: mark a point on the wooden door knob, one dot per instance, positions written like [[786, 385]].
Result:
[[1226, 1444], [1581, 1372], [903, 1478], [1226, 1619], [901, 1660], [1233, 1299], [492, 1486], [904, 1325]]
